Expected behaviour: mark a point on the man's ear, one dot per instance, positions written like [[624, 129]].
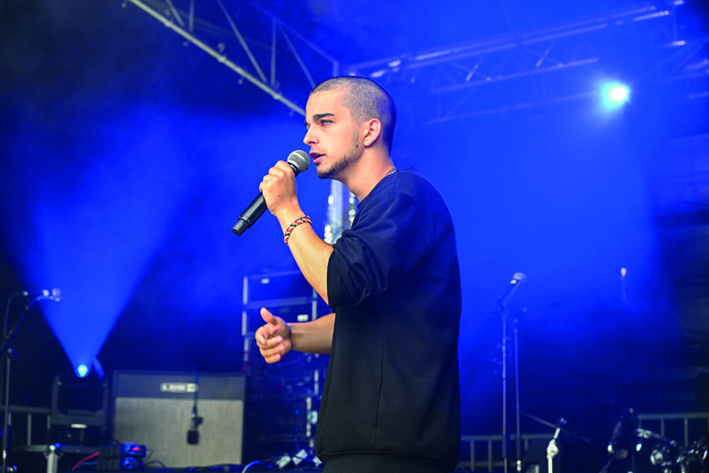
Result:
[[372, 131]]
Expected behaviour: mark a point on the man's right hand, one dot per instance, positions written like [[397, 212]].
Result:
[[273, 338]]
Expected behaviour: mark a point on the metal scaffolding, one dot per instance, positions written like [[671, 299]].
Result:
[[526, 69], [271, 50], [516, 71]]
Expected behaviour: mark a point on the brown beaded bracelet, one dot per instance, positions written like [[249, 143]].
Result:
[[291, 227]]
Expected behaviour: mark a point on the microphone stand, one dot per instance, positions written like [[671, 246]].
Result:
[[501, 308], [8, 351], [505, 408], [6, 406], [505, 439], [518, 433]]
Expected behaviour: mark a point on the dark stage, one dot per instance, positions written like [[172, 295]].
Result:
[[134, 133]]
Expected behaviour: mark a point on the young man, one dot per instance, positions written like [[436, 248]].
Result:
[[391, 400]]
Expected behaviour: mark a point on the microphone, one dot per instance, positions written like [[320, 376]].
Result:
[[196, 420], [45, 294], [516, 281], [298, 161], [193, 433]]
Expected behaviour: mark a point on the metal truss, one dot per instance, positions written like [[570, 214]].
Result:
[[517, 71], [261, 49], [263, 56], [526, 69]]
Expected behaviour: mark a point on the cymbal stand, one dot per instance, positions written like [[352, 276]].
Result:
[[553, 448]]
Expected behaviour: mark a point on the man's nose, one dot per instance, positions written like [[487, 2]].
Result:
[[309, 137]]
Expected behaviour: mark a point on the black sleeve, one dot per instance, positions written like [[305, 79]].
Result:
[[386, 240]]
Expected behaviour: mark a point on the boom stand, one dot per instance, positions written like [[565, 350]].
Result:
[[7, 350]]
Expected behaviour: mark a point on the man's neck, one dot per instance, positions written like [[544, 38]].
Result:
[[366, 174]]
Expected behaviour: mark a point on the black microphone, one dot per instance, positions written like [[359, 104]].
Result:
[[504, 299], [193, 433], [299, 162], [45, 294]]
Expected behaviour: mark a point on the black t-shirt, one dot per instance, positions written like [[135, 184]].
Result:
[[392, 385]]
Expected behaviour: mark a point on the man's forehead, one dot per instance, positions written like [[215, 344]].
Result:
[[325, 102], [326, 97]]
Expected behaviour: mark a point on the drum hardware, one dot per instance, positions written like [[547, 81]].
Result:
[[644, 451], [553, 448], [560, 426], [693, 458], [660, 451]]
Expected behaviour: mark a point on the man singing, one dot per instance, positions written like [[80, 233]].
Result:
[[391, 399]]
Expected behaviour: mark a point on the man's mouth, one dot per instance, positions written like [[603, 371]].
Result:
[[316, 157]]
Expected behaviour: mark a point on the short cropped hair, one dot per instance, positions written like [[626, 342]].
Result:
[[365, 99]]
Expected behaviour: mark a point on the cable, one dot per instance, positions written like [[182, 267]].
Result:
[[84, 460], [256, 462]]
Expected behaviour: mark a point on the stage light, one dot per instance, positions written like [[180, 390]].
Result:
[[82, 371], [618, 93], [97, 269], [614, 94]]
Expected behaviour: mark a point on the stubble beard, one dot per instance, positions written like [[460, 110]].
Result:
[[338, 167]]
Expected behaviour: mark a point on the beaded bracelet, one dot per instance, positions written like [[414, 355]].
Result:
[[291, 227]]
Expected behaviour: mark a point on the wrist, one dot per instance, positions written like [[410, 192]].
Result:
[[304, 219], [286, 216], [292, 336]]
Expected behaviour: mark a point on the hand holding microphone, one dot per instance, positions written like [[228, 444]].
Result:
[[299, 162]]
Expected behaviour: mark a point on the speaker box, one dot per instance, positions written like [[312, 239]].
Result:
[[157, 409]]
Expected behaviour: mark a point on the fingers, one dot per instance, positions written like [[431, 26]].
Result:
[[279, 171], [267, 316], [269, 330], [266, 336], [279, 175], [274, 349], [271, 337], [281, 168], [279, 191], [273, 352], [265, 339]]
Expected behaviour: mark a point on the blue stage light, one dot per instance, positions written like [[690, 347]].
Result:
[[82, 371], [615, 94], [96, 226]]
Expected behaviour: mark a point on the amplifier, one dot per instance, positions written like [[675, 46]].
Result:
[[184, 419], [286, 295]]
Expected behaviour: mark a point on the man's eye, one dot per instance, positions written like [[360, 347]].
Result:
[[326, 122]]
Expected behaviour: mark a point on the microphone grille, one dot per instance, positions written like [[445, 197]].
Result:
[[299, 159], [520, 277]]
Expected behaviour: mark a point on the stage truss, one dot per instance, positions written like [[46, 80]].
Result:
[[519, 70]]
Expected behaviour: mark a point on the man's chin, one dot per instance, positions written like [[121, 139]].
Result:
[[333, 171], [326, 173]]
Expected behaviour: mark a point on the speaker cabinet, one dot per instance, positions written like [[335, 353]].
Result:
[[157, 409]]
